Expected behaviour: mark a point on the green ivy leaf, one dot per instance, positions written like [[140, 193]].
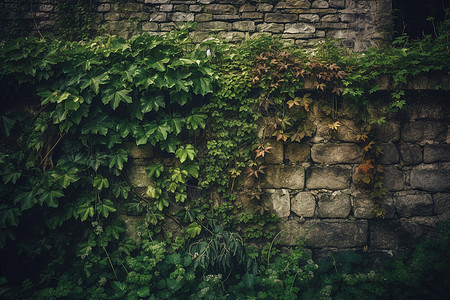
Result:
[[170, 144], [192, 169], [152, 103], [95, 82], [202, 86], [193, 229], [154, 170], [105, 207], [116, 97], [100, 182], [50, 197], [84, 211], [7, 124], [118, 159], [9, 216], [197, 120], [183, 153]]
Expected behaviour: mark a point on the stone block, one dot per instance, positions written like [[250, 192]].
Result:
[[320, 4], [246, 26], [410, 154], [149, 26], [220, 9], [181, 17], [137, 175], [325, 233], [203, 17], [393, 179], [430, 110], [226, 17], [46, 7], [330, 18], [389, 132], [233, 36], [214, 26], [413, 203], [335, 205], [158, 17], [333, 178], [270, 27], [431, 178], [299, 28], [111, 17], [337, 3], [279, 201], [252, 15], [293, 4], [436, 153], [181, 7], [166, 7], [347, 131], [105, 7], [312, 18], [422, 131], [363, 206], [390, 154], [280, 18], [168, 26], [279, 176], [275, 156], [442, 203], [264, 7], [156, 1], [247, 8], [303, 204], [336, 153], [297, 153], [195, 8], [387, 234]]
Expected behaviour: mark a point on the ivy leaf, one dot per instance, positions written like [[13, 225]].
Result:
[[192, 169], [121, 190], [84, 211], [95, 82], [161, 203], [66, 178], [116, 97], [51, 197], [154, 170], [180, 97], [100, 182], [162, 131], [173, 285], [9, 216], [118, 159], [180, 197], [105, 207], [170, 144], [202, 86], [114, 230], [193, 229], [195, 121], [152, 103], [7, 124], [183, 153], [11, 176]]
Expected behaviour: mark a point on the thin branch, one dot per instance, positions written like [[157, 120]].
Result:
[[34, 19], [50, 151], [110, 262]]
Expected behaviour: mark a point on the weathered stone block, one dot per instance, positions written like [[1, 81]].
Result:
[[279, 201], [363, 207], [279, 176], [442, 203], [168, 26], [393, 179], [325, 233], [49, 7], [390, 154], [264, 7], [203, 17], [411, 154], [219, 9], [330, 18], [181, 17], [303, 204], [428, 110], [181, 7], [297, 153], [293, 4], [432, 178], [299, 28], [336, 153], [333, 178], [337, 3], [156, 1], [195, 8], [233, 36], [137, 175], [166, 7], [226, 17], [347, 131], [149, 26], [424, 131], [312, 18], [244, 26], [275, 156], [252, 15], [280, 18], [336, 205], [247, 7], [320, 4], [413, 203], [111, 17], [270, 27], [389, 132], [436, 153], [158, 17], [387, 234]]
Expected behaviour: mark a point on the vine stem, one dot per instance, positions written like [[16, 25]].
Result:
[[110, 262], [50, 151], [34, 19], [270, 248]]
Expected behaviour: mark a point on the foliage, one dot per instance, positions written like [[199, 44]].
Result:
[[72, 110]]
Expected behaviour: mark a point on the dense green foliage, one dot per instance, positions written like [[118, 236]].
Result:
[[71, 112]]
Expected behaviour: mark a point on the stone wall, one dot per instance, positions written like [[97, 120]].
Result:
[[359, 23], [312, 186]]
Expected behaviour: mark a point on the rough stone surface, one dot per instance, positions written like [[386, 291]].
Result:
[[393, 178], [432, 178], [347, 131], [297, 153], [421, 131], [325, 233], [387, 234], [279, 200], [137, 175], [363, 207], [244, 26], [334, 178], [303, 204], [284, 177], [142, 151], [276, 154], [389, 132], [442, 203], [336, 153], [299, 28], [390, 154], [409, 204], [436, 153], [411, 154], [280, 18], [336, 205], [320, 4], [270, 27]]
